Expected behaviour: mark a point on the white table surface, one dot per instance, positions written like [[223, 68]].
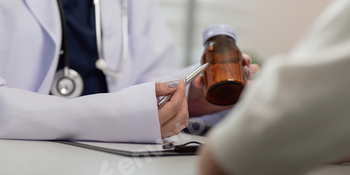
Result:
[[50, 158]]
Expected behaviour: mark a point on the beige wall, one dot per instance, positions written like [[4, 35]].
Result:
[[279, 24], [264, 27]]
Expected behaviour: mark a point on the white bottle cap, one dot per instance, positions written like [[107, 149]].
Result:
[[219, 29]]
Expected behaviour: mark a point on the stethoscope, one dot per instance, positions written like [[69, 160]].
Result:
[[67, 82]]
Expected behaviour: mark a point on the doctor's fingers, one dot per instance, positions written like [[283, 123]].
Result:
[[178, 122], [165, 88], [252, 70], [174, 131], [247, 59], [198, 82], [196, 90], [174, 105]]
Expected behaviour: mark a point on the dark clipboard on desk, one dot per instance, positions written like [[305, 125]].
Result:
[[184, 147]]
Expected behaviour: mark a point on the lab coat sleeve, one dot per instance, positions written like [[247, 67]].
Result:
[[130, 115], [296, 115], [2, 82]]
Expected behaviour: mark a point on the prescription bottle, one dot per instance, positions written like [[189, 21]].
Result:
[[225, 77]]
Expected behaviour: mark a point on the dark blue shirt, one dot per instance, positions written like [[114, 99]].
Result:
[[82, 46]]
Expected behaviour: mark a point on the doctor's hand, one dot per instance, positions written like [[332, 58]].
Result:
[[198, 105], [173, 116]]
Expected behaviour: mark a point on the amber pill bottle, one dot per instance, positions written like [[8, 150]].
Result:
[[225, 77]]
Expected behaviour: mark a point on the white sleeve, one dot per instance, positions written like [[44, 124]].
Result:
[[2, 82], [296, 115], [103, 117]]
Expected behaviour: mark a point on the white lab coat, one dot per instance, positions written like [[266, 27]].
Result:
[[297, 113], [30, 33]]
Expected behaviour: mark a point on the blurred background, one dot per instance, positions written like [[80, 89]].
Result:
[[264, 27]]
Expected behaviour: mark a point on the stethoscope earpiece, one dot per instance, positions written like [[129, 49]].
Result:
[[101, 64]]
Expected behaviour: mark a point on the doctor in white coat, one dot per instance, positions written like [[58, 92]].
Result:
[[300, 117], [30, 45], [31, 37]]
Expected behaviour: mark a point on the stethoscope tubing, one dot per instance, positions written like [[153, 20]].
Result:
[[104, 67], [125, 29], [64, 45], [67, 82]]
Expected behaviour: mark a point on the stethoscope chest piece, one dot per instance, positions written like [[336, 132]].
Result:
[[67, 83]]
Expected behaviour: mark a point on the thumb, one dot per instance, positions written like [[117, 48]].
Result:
[[198, 82], [165, 88]]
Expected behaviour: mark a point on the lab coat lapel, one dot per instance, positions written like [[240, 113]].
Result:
[[47, 14]]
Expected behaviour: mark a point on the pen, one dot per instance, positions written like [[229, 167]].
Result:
[[188, 80]]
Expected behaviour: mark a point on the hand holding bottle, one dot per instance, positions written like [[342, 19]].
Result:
[[198, 105]]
